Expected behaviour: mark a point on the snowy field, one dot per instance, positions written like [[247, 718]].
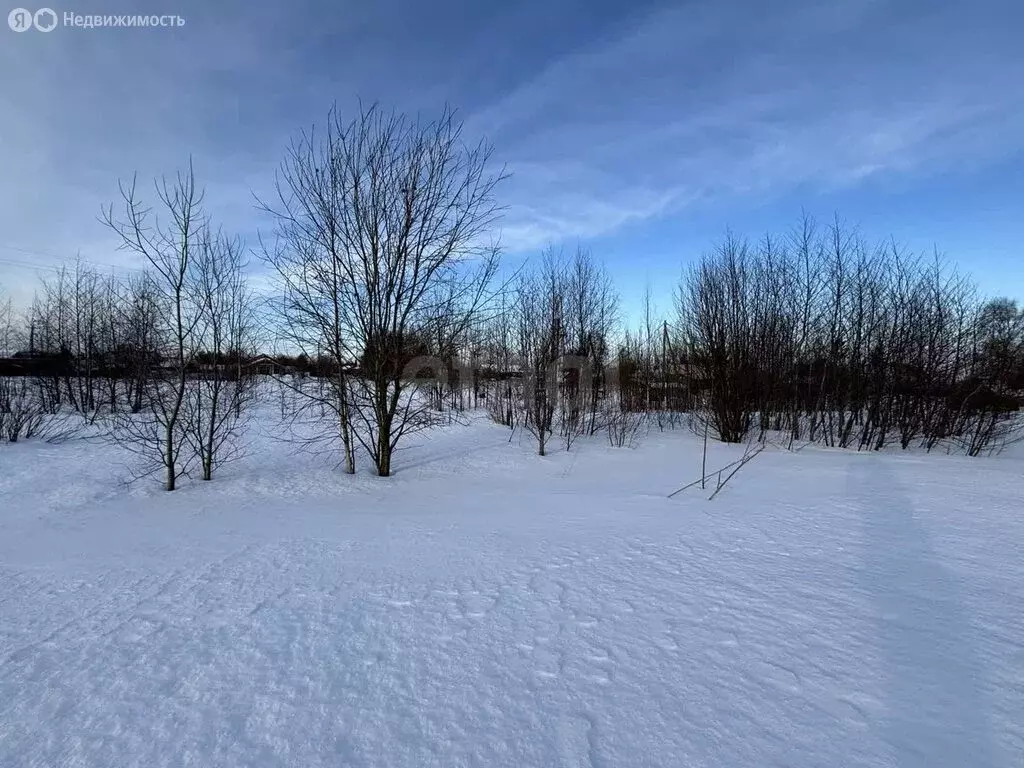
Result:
[[487, 607]]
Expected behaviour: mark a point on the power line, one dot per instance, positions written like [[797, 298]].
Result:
[[64, 261], [36, 267]]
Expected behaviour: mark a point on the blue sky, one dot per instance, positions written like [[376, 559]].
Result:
[[641, 130]]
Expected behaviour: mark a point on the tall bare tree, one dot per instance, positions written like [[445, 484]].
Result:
[[539, 343], [381, 242], [171, 242], [592, 315], [226, 331]]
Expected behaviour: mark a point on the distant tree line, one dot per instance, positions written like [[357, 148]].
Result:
[[821, 336], [386, 315]]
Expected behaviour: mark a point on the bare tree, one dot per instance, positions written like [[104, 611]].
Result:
[[592, 314], [624, 428], [539, 341], [828, 338], [381, 243], [310, 310], [19, 411], [11, 338], [172, 247], [503, 394], [137, 354], [224, 387], [717, 313]]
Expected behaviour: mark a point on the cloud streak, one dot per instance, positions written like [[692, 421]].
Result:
[[609, 116], [689, 107]]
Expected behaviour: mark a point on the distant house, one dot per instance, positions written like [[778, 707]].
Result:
[[264, 365], [34, 363]]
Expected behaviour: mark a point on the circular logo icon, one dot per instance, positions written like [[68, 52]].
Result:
[[45, 19], [20, 20]]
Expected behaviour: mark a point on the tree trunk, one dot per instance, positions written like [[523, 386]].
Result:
[[169, 458], [384, 454]]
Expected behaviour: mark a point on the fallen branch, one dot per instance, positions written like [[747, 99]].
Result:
[[742, 463], [712, 473]]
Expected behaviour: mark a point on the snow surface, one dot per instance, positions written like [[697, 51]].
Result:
[[487, 607]]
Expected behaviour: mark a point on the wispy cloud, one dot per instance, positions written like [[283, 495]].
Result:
[[689, 106], [607, 117]]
